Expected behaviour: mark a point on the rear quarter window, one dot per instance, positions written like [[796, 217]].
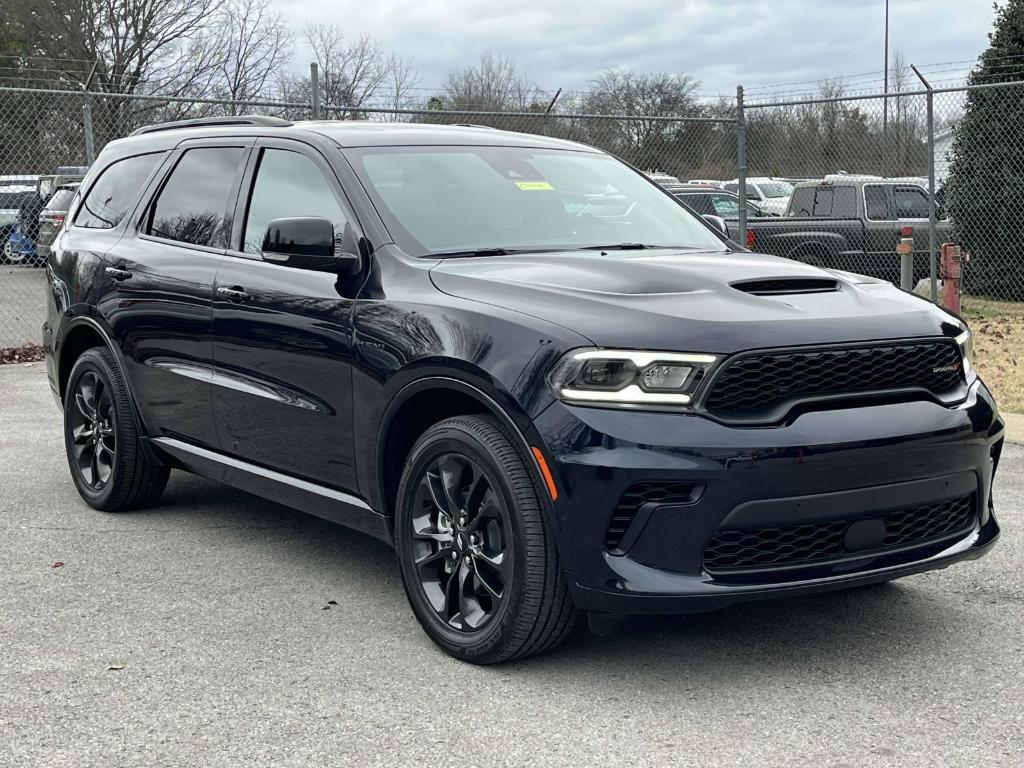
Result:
[[876, 202], [115, 192]]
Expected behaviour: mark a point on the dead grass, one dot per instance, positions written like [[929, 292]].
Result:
[[998, 328]]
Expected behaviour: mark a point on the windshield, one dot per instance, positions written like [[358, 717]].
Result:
[[775, 188], [61, 200], [444, 200]]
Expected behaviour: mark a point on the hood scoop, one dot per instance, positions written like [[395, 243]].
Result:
[[785, 286]]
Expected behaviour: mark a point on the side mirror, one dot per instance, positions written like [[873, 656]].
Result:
[[310, 243], [717, 222]]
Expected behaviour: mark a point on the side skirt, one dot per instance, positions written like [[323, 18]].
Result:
[[336, 506]]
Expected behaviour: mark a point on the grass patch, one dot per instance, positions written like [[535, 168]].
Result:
[[998, 328]]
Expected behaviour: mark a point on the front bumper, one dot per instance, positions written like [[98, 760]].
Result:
[[857, 463]]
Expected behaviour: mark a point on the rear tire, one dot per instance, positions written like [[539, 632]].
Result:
[[477, 556], [109, 465]]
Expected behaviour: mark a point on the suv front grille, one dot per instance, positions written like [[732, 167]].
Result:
[[660, 491], [761, 384], [807, 543]]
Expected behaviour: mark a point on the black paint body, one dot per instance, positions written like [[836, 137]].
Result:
[[295, 392]]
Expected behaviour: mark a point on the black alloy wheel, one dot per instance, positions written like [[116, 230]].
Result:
[[477, 554], [462, 544], [94, 444], [109, 464]]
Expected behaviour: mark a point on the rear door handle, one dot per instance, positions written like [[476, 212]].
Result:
[[118, 274], [235, 294]]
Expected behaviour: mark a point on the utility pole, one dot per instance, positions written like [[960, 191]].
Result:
[[885, 90]]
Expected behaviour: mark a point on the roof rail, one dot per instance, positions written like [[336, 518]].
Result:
[[199, 122]]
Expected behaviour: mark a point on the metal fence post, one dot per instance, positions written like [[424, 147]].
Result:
[[314, 85], [90, 145], [933, 268], [741, 163]]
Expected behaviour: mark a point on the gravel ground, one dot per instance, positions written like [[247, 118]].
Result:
[[196, 634]]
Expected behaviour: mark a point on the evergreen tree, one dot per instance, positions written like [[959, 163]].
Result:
[[985, 191]]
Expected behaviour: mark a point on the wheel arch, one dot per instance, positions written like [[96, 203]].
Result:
[[84, 332], [427, 401]]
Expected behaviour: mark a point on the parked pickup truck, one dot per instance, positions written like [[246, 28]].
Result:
[[852, 224]]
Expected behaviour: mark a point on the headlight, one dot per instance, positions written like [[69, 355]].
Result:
[[966, 343], [628, 377]]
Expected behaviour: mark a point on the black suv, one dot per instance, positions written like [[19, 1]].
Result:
[[545, 381]]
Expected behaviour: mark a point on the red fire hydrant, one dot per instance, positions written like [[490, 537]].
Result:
[[952, 262]]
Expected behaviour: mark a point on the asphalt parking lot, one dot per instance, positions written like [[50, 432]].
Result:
[[202, 633], [22, 304]]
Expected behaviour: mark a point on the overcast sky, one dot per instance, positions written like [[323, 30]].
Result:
[[564, 43]]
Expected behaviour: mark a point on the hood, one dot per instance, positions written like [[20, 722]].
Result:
[[695, 302]]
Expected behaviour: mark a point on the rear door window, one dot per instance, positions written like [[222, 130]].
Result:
[[844, 203], [115, 192], [193, 205], [876, 202], [823, 202]]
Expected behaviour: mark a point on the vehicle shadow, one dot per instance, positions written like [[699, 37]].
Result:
[[876, 627]]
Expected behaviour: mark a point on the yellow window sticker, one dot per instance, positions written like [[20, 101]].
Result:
[[534, 186]]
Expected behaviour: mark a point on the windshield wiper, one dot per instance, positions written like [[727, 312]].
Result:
[[634, 247], [478, 252]]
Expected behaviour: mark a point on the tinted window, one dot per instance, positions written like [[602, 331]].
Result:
[[875, 204], [802, 203], [823, 202], [61, 200], [844, 203], [732, 186], [115, 192], [288, 184], [726, 206], [699, 203], [192, 206], [911, 203]]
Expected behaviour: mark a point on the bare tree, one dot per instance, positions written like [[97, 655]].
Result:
[[351, 71], [652, 95], [255, 44], [495, 84], [403, 82], [131, 40]]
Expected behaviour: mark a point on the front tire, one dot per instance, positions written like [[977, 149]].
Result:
[[477, 555], [108, 463]]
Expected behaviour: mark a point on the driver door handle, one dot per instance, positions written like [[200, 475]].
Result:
[[235, 294]]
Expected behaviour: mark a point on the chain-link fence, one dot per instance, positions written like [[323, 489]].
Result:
[[860, 165]]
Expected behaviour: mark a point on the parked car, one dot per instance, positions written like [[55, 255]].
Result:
[[19, 222], [418, 331], [770, 195], [664, 180], [52, 217], [852, 224], [707, 182], [717, 202]]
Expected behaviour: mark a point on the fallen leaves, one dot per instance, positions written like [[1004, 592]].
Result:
[[26, 353]]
